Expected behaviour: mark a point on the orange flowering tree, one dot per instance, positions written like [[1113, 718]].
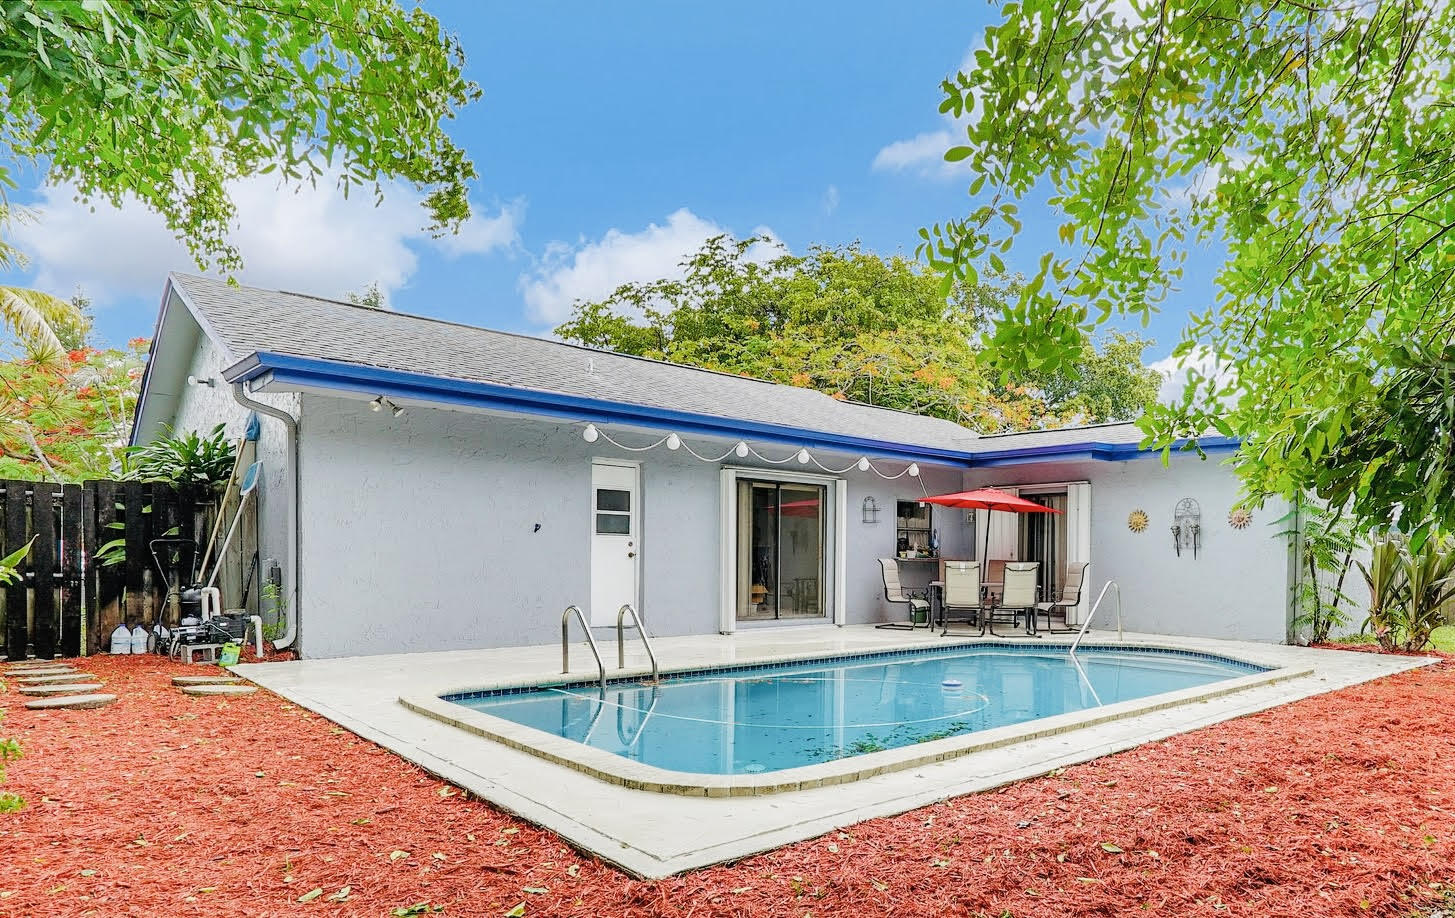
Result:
[[66, 415]]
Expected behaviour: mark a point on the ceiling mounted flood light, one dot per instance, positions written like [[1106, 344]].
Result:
[[395, 410], [377, 404]]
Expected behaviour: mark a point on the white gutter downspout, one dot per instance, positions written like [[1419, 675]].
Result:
[[290, 424]]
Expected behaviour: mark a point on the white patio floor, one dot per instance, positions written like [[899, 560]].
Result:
[[654, 834]]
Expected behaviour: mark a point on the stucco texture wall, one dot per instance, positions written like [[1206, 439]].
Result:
[[1238, 585], [420, 531]]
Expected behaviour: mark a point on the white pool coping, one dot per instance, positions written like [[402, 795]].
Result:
[[701, 822]]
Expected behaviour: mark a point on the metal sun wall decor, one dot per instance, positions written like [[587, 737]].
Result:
[[1137, 520], [1240, 517], [1187, 526]]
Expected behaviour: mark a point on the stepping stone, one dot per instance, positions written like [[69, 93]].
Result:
[[38, 671], [69, 688], [32, 664], [60, 677], [218, 689], [220, 679], [72, 702]]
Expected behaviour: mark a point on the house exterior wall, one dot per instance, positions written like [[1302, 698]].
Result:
[[420, 531], [199, 409], [1238, 585]]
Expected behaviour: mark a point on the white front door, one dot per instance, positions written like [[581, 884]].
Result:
[[615, 538]]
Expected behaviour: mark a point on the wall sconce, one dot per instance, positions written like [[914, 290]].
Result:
[[871, 510], [208, 382]]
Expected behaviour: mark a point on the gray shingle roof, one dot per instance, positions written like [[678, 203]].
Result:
[[245, 320]]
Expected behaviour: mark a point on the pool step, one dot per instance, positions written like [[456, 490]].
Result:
[[70, 702], [69, 688]]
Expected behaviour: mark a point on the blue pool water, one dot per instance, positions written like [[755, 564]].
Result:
[[750, 720]]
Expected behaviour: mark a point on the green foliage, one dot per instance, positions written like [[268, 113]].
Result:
[[1409, 587], [1308, 143], [187, 460], [66, 415], [1326, 554], [170, 100], [9, 748], [8, 564], [371, 296], [856, 326]]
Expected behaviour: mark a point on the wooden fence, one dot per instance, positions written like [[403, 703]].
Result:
[[68, 601]]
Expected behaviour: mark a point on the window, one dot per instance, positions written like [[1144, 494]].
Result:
[[613, 511]]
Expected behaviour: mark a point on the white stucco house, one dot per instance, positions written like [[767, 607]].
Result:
[[429, 486]]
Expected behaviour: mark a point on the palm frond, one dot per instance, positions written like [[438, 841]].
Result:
[[32, 315]]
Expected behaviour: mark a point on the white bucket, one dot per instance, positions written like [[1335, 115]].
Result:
[[121, 640]]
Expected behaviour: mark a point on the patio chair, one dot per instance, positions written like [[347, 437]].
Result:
[[961, 581], [1018, 596], [1070, 597], [919, 604]]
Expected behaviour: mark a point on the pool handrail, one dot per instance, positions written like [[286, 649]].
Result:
[[566, 643], [1092, 614], [621, 639]]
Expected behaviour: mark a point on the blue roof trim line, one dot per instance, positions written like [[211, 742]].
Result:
[[289, 370], [1102, 452], [306, 371]]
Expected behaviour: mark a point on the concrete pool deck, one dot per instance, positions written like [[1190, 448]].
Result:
[[653, 834]]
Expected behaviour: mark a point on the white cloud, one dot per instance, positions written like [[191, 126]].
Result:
[[1175, 372], [923, 153], [592, 270], [830, 200], [312, 240]]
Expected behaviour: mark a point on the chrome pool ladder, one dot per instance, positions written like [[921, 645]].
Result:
[[1092, 614], [621, 638], [566, 643]]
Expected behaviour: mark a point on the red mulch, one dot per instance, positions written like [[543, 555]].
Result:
[[169, 805]]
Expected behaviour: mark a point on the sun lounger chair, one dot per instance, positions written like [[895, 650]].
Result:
[[919, 604], [961, 581], [1070, 597], [1018, 597]]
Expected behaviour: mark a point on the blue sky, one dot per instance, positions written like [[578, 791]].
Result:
[[611, 139]]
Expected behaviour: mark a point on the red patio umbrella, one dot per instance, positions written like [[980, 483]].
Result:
[[989, 499]]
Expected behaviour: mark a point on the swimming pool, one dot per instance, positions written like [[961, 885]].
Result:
[[757, 720]]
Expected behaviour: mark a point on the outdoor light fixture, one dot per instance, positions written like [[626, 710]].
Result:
[[741, 450], [194, 381], [377, 403], [803, 457], [871, 509], [863, 463], [395, 410], [914, 470], [674, 441], [590, 433]]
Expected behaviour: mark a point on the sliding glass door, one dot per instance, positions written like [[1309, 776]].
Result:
[[780, 549]]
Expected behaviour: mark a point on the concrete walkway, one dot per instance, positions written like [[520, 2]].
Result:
[[653, 834]]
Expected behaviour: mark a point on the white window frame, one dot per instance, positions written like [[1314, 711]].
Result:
[[837, 542]]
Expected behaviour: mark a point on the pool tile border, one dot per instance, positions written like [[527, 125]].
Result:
[[624, 772]]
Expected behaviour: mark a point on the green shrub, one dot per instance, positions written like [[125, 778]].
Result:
[[1409, 585], [9, 748]]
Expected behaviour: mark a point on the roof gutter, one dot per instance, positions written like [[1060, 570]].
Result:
[[290, 425], [1095, 451]]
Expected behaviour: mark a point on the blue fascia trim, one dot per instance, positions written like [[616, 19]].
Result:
[[1101, 452], [288, 370]]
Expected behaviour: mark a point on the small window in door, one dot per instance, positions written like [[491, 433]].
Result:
[[613, 511]]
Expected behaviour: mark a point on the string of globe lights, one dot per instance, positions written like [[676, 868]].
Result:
[[742, 450]]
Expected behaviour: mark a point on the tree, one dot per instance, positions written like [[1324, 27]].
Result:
[[854, 325], [1303, 148], [66, 416], [170, 100], [371, 296]]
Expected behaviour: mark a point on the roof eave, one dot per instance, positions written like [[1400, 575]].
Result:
[[1101, 452], [289, 371]]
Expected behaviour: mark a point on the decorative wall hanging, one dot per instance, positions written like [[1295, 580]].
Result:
[[1187, 526], [1137, 520], [1240, 517]]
